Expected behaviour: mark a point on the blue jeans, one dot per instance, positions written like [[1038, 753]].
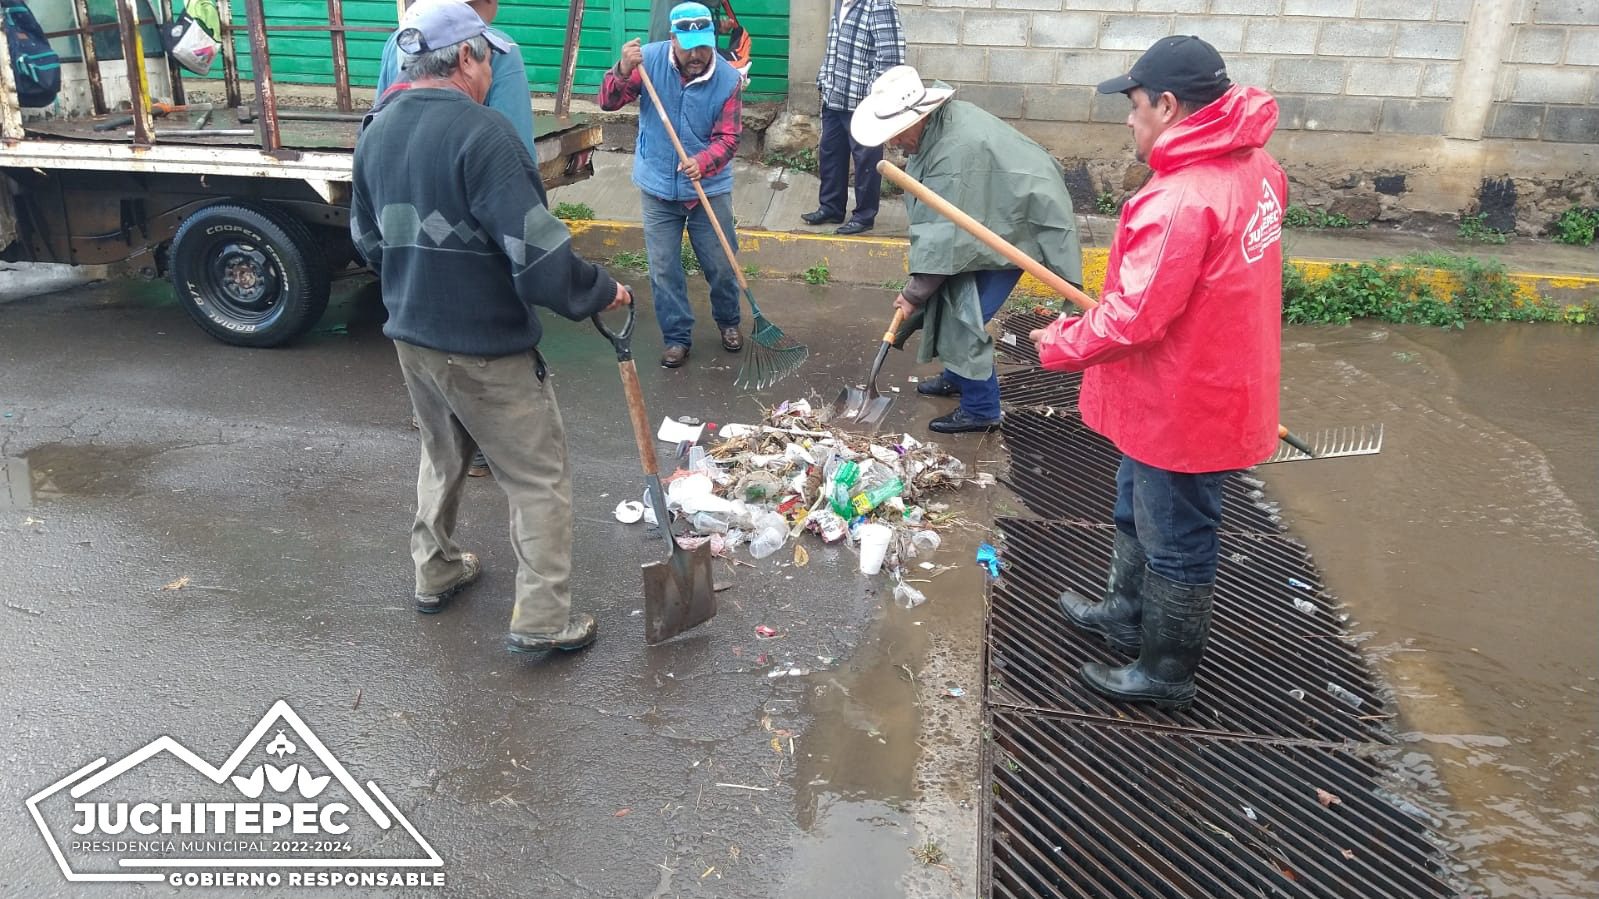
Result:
[[664, 222], [1173, 516], [980, 399], [836, 152]]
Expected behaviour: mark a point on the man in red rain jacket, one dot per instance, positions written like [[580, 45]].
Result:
[[1181, 357]]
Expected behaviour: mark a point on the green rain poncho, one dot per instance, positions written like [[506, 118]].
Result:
[[1000, 177]]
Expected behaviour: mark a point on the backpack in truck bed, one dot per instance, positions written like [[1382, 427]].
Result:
[[35, 64]]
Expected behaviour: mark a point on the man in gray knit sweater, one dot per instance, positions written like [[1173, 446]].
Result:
[[449, 211]]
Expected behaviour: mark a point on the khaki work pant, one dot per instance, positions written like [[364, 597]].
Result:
[[502, 405]]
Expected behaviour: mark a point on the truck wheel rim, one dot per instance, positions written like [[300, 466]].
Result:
[[244, 282]]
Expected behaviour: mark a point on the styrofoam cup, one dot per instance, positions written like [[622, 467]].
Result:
[[874, 539]]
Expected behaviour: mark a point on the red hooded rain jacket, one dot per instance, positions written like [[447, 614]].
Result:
[[1182, 355]]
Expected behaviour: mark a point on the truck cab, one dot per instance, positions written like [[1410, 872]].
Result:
[[242, 200]]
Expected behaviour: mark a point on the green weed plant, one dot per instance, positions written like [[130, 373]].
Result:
[[1438, 289]]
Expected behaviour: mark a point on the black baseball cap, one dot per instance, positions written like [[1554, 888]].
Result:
[[1182, 63]]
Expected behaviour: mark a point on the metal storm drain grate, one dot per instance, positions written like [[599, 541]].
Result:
[[1258, 789], [1062, 470], [1275, 665], [1014, 327], [1080, 809], [1037, 387]]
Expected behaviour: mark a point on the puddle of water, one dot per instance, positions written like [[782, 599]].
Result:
[[1469, 544], [59, 470], [887, 762]]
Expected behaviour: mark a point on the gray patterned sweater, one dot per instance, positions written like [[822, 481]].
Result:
[[449, 211]]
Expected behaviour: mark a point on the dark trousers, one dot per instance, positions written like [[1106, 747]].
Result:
[[837, 150], [980, 399], [1173, 516]]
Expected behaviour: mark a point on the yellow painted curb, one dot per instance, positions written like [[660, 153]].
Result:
[[868, 260]]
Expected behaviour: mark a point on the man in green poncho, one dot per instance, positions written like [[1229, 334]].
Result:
[[1001, 178]]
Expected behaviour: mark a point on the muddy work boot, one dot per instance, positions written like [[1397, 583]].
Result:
[[579, 632], [941, 385], [433, 603], [1116, 616], [1176, 625]]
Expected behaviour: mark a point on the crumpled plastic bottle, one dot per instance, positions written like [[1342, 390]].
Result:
[[771, 532]]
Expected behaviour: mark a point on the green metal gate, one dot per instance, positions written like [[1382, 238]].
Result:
[[538, 27]]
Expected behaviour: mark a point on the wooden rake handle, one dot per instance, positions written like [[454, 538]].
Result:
[[682, 155], [1027, 263]]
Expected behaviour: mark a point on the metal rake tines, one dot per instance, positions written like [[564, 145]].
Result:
[[770, 357], [1330, 443]]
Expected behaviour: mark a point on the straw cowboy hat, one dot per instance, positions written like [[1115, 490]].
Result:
[[898, 100]]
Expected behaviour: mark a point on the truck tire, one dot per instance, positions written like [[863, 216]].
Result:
[[249, 275]]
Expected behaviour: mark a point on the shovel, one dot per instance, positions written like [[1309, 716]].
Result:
[[679, 594], [866, 406]]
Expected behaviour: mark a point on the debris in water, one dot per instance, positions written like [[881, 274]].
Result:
[[1296, 582], [621, 813], [765, 633], [1327, 799], [1305, 605], [956, 692], [178, 584], [988, 557], [1349, 698], [1249, 813]]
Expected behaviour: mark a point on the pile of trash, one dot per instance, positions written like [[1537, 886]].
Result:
[[762, 486]]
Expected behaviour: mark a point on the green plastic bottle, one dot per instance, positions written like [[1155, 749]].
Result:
[[871, 499], [843, 479]]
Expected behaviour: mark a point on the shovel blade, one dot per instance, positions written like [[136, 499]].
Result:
[[850, 402], [874, 411], [679, 594]]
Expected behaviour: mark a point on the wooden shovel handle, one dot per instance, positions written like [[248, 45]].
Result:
[[682, 155], [1027, 263], [893, 326], [975, 228], [640, 419]]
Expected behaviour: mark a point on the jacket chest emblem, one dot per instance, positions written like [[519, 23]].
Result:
[[1265, 226]]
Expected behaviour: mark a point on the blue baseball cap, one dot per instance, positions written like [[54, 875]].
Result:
[[435, 24], [693, 26]]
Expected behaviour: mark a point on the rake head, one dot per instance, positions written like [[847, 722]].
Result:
[[770, 357], [1330, 443]]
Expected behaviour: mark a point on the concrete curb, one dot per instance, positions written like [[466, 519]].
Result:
[[882, 260]]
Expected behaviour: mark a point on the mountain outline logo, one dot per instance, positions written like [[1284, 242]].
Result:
[[278, 796]]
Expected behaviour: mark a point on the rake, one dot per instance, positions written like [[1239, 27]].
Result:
[[772, 355], [1330, 443]]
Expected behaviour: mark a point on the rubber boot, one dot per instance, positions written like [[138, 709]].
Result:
[[1176, 625], [1116, 616]]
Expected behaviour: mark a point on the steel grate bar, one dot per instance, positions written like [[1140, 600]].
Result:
[[1084, 809]]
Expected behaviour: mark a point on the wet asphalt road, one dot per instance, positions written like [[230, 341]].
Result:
[[280, 485]]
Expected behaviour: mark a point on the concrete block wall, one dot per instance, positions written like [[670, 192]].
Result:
[[1364, 66], [1548, 84]]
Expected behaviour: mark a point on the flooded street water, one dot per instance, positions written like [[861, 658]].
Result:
[[1467, 554]]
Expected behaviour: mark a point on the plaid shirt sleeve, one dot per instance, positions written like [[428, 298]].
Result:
[[724, 137], [888, 39], [616, 91]]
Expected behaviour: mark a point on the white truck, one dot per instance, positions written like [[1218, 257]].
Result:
[[243, 202]]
